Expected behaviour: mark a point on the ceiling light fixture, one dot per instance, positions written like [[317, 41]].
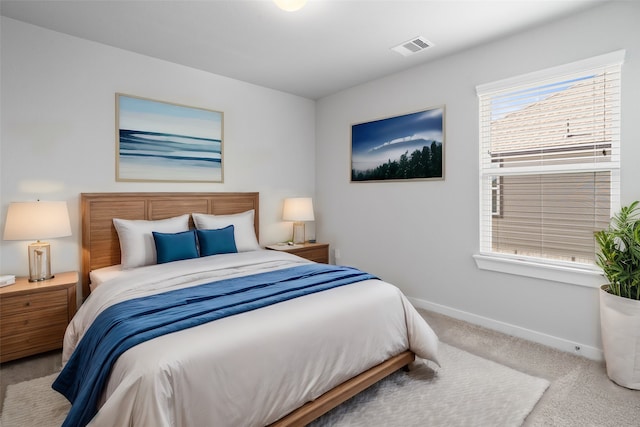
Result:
[[290, 5]]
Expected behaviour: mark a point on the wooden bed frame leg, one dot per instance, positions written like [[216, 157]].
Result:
[[312, 410]]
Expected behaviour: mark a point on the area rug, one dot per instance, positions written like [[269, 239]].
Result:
[[466, 391]]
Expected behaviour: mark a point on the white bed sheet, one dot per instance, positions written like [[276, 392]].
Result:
[[253, 368], [101, 275]]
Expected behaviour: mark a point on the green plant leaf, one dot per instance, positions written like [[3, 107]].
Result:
[[619, 252]]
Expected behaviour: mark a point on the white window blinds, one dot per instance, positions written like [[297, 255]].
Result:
[[549, 160]]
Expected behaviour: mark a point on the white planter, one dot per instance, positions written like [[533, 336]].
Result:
[[620, 325]]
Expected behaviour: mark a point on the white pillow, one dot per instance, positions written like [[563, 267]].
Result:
[[137, 247], [243, 231]]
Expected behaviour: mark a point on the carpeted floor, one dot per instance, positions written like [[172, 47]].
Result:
[[580, 393], [466, 391]]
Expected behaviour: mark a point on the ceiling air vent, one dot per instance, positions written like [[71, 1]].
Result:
[[412, 46]]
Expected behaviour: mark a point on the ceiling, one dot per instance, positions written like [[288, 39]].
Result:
[[327, 46]]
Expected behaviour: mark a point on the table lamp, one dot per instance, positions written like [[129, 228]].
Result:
[[34, 221], [298, 210]]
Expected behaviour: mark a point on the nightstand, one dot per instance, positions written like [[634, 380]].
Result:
[[35, 315], [318, 252]]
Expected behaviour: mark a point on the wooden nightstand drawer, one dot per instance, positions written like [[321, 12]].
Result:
[[33, 320], [28, 341], [20, 304], [317, 252]]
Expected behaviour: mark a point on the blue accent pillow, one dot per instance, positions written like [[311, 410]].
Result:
[[175, 246], [219, 241]]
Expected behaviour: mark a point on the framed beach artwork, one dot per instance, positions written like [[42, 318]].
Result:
[[160, 141], [406, 147]]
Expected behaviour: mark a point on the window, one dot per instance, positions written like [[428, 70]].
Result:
[[549, 162]]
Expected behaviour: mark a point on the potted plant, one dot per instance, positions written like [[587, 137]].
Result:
[[619, 258]]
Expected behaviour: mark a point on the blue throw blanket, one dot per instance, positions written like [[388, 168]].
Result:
[[126, 324]]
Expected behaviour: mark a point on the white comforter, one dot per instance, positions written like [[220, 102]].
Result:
[[250, 369]]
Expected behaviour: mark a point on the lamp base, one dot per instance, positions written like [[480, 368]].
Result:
[[39, 261], [42, 279], [298, 232]]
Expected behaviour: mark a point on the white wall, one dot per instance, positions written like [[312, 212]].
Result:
[[422, 235], [58, 131]]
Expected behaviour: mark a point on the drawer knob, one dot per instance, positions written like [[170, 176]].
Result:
[[28, 303]]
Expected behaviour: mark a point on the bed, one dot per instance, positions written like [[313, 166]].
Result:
[[281, 364]]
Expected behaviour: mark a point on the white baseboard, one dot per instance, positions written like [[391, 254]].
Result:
[[562, 344]]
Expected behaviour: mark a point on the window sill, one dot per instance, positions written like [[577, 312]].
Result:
[[589, 277]]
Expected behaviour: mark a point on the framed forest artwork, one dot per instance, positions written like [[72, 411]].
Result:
[[406, 147]]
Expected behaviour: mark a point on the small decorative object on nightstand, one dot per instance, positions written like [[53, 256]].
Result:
[[8, 279], [35, 315], [318, 252]]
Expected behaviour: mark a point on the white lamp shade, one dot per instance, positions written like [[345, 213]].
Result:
[[298, 209], [37, 220]]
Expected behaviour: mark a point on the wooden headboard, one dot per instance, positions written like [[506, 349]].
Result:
[[100, 244]]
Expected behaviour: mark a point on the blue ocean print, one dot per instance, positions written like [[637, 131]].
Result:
[[167, 142]]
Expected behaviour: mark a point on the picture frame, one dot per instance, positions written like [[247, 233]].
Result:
[[167, 142], [399, 148]]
